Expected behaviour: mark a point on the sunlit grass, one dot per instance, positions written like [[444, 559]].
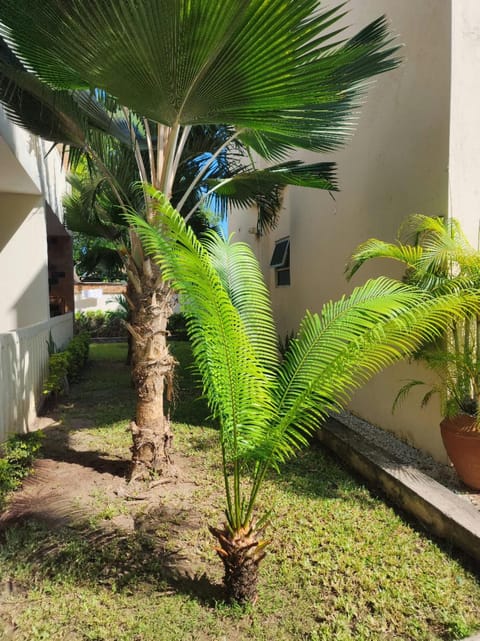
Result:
[[342, 565]]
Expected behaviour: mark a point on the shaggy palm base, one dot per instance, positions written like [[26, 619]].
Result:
[[241, 552]]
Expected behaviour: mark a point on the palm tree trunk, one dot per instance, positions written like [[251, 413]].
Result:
[[150, 300], [241, 552]]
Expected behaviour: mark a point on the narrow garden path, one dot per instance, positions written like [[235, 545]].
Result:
[[84, 556]]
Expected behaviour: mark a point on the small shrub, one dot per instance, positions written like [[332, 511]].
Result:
[[99, 324], [57, 374], [16, 458], [52, 347], [77, 351], [65, 367]]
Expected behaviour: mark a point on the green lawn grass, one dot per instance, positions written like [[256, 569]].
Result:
[[342, 565]]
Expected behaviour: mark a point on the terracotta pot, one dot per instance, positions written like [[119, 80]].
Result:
[[462, 443]]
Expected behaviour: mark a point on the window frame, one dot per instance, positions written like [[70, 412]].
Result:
[[280, 261]]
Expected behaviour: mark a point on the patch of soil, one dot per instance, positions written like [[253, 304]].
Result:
[[71, 486]]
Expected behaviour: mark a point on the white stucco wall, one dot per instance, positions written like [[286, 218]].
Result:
[[396, 164], [23, 262], [464, 182], [29, 176]]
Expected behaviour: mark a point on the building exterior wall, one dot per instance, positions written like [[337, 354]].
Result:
[[31, 181], [464, 183], [396, 164], [23, 262]]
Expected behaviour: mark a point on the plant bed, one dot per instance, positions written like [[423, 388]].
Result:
[[409, 455], [85, 556]]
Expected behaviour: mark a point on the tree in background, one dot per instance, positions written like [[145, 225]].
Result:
[[274, 76], [96, 259]]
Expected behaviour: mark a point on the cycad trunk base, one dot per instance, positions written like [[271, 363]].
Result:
[[151, 304], [241, 552]]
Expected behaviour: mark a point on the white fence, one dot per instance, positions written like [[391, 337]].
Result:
[[23, 367]]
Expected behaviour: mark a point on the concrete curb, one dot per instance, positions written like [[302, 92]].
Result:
[[440, 510]]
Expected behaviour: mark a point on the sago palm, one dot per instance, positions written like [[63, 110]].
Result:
[[267, 407], [275, 75], [438, 258]]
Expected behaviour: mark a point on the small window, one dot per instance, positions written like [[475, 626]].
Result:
[[281, 262], [280, 252]]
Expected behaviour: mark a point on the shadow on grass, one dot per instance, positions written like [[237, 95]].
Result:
[[116, 560], [314, 473], [57, 446], [319, 473], [58, 541], [104, 397]]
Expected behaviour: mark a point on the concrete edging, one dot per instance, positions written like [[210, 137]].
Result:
[[440, 510]]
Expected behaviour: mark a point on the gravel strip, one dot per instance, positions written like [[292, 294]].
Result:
[[444, 474]]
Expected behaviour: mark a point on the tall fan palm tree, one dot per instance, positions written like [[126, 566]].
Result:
[[277, 73], [266, 408]]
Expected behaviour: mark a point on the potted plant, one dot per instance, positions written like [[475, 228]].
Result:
[[439, 259]]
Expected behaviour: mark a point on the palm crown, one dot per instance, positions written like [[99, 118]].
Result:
[[253, 64]]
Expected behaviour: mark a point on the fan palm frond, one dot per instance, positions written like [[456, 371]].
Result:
[[243, 186], [298, 83]]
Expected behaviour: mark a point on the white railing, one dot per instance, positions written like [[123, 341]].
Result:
[[23, 367]]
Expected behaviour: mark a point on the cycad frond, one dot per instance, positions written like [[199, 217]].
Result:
[[354, 338], [235, 382], [267, 409], [409, 255], [239, 272]]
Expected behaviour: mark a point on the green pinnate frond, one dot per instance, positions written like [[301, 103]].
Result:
[[404, 391], [268, 410], [407, 254], [242, 279], [446, 264], [235, 383], [338, 351]]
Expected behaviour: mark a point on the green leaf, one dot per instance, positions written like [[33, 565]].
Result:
[[276, 67], [235, 379], [242, 187]]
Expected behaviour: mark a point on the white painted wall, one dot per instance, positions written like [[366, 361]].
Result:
[[464, 197], [28, 178], [23, 262], [41, 165], [23, 367]]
